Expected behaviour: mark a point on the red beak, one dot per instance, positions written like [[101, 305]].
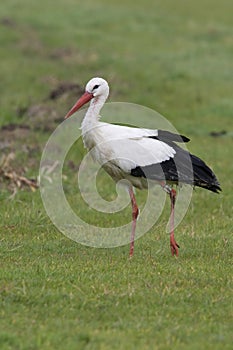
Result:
[[86, 97]]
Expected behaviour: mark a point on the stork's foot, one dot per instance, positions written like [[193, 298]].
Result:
[[174, 246]]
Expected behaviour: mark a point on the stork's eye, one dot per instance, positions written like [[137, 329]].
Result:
[[95, 87]]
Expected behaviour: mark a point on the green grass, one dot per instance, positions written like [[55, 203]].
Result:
[[175, 57]]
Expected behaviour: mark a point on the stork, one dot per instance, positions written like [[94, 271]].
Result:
[[139, 155]]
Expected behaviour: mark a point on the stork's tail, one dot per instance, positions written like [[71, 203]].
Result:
[[203, 176]]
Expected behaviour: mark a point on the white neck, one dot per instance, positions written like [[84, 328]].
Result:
[[92, 116]]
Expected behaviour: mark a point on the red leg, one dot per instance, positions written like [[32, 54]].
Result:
[[174, 246], [134, 216]]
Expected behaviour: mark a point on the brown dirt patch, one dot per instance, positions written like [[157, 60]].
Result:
[[21, 144]]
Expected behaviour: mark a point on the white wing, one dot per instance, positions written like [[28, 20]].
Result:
[[127, 147], [130, 153]]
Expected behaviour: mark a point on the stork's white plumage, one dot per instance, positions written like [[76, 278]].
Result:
[[135, 154]]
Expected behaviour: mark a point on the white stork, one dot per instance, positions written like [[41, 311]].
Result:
[[140, 154]]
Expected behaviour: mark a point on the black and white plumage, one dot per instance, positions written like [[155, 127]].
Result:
[[137, 154], [184, 167]]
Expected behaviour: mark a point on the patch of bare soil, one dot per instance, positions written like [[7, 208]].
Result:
[[21, 145], [64, 88], [7, 22]]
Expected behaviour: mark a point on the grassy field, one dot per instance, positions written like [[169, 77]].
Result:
[[174, 57]]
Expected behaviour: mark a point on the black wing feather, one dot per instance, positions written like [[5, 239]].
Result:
[[167, 136], [183, 168], [164, 135]]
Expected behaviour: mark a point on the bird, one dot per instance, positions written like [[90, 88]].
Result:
[[140, 155]]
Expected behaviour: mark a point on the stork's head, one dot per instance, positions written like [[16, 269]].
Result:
[[96, 88]]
